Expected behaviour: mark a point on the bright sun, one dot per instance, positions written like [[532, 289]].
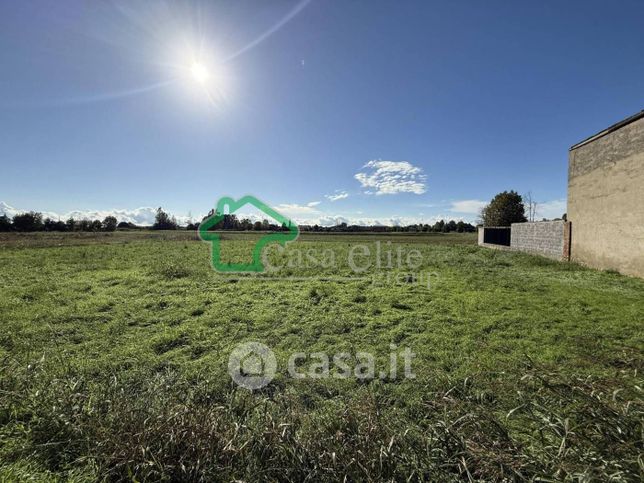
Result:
[[199, 72]]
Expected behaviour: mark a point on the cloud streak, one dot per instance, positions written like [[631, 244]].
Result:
[[337, 196], [293, 209], [472, 207]]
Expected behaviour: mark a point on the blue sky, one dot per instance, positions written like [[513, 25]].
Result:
[[365, 110]]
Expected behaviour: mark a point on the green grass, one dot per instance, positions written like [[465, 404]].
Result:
[[115, 353]]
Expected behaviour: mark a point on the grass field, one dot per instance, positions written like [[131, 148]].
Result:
[[115, 352]]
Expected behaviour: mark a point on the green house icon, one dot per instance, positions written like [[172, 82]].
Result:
[[214, 238]]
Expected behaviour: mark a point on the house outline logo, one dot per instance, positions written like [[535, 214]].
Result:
[[215, 238]]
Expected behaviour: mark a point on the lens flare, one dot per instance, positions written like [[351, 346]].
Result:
[[199, 72]]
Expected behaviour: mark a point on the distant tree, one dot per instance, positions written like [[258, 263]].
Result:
[[504, 209], [51, 225], [164, 221], [245, 224], [229, 223], [95, 225], [5, 223], [85, 225], [109, 223], [47, 224], [31, 221], [192, 226], [71, 224]]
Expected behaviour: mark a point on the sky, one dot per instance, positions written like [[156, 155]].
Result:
[[363, 111]]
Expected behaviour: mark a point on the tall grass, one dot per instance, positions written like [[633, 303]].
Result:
[[160, 426]]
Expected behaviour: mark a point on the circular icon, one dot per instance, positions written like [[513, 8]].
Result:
[[252, 365]]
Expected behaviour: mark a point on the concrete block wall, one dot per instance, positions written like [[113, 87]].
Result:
[[606, 198], [547, 238]]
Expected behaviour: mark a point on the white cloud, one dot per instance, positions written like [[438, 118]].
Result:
[[468, 206], [338, 195], [551, 209], [392, 177], [293, 209], [10, 211], [329, 221]]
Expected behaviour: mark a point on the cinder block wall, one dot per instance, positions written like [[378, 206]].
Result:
[[547, 238], [606, 200]]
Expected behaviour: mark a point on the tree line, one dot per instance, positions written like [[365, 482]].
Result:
[[233, 223], [504, 209], [34, 221], [440, 226]]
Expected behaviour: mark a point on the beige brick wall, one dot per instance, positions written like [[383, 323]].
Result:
[[606, 201], [547, 238]]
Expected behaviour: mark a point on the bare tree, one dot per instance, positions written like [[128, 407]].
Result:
[[531, 206]]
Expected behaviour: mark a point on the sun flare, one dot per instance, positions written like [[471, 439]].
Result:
[[199, 72]]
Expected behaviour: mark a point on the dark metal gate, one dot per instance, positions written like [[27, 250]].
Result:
[[497, 235]]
